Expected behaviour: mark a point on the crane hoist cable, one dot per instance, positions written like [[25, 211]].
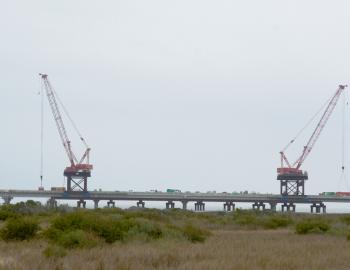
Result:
[[342, 178], [41, 133], [307, 124], [70, 119], [343, 136]]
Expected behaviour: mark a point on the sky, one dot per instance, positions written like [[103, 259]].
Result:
[[195, 95]]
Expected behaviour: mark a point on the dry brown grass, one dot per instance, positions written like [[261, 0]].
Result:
[[261, 249]]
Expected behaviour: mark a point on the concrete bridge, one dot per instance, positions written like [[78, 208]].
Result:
[[258, 201]]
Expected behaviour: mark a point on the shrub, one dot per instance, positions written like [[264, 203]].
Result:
[[28, 207], [52, 233], [71, 221], [108, 228], [54, 251], [145, 230], [345, 219], [312, 226], [173, 232], [5, 214], [254, 219], [245, 218], [150, 214], [195, 234], [276, 221], [151, 230], [111, 232], [19, 229], [69, 229], [76, 239]]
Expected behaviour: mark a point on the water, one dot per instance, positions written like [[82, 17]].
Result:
[[209, 206]]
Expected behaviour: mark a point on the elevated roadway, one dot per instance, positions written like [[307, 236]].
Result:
[[259, 201]]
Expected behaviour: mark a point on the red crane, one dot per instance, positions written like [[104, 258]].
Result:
[[291, 176], [79, 170]]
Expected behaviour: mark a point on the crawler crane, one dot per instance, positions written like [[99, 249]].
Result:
[[291, 176], [79, 170]]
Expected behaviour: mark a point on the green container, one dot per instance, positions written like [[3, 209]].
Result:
[[172, 190], [329, 193]]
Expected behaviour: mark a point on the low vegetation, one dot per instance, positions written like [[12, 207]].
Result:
[[24, 228], [312, 226], [58, 232]]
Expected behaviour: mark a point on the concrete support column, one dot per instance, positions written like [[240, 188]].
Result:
[[273, 207], [81, 203], [289, 207], [7, 199], [233, 206], [258, 206], [261, 206], [312, 208], [51, 203], [184, 205], [170, 205], [199, 206], [111, 204], [96, 204], [229, 206], [318, 207], [141, 204]]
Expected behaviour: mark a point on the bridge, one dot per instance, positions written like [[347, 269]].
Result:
[[259, 201]]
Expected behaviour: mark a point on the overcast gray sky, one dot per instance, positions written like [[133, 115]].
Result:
[[195, 95]]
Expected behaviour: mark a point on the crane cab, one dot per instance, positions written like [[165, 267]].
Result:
[[291, 174], [79, 170]]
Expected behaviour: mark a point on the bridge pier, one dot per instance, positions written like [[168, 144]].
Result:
[[255, 206], [199, 206], [141, 204], [81, 203], [258, 206], [273, 206], [229, 206], [289, 207], [184, 205], [318, 207], [111, 204], [96, 204], [51, 203], [170, 205], [7, 199]]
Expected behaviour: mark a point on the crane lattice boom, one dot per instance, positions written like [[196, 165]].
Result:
[[75, 165], [321, 124], [293, 170]]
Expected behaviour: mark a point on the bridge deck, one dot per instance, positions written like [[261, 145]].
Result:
[[165, 196]]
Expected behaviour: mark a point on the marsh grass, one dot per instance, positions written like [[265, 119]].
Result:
[[170, 239], [233, 249]]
